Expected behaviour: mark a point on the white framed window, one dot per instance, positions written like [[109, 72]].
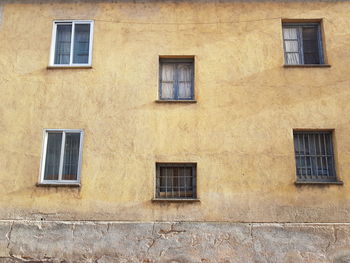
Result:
[[72, 43], [61, 156]]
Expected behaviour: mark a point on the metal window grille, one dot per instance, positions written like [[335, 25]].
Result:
[[302, 43], [176, 78], [314, 156], [176, 180]]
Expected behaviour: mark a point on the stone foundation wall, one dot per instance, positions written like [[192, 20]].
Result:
[[190, 242]]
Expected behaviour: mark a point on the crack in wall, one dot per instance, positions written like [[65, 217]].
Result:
[[8, 235]]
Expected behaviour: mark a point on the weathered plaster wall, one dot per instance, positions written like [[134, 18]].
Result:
[[239, 132], [111, 242]]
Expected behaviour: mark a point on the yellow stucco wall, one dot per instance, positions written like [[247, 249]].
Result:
[[239, 132]]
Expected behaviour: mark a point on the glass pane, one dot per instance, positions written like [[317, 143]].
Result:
[[166, 179], [310, 45], [167, 90], [291, 45], [71, 156], [293, 58], [290, 33], [63, 43], [185, 81], [53, 154], [311, 58], [188, 178], [168, 72], [81, 44], [167, 78]]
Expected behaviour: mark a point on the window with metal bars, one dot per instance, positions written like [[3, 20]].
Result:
[[314, 156], [176, 180], [61, 159], [302, 43], [176, 79]]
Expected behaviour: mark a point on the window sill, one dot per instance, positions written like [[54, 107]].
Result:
[[58, 185], [176, 200], [69, 67], [308, 66], [176, 101], [318, 183]]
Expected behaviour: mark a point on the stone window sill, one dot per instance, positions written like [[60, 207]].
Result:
[[77, 185], [318, 183], [176, 101], [176, 200], [308, 66]]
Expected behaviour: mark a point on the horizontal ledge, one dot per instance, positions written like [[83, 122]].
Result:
[[69, 67], [308, 66], [176, 101], [175, 200], [57, 185], [319, 183]]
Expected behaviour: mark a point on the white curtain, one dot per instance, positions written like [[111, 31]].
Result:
[[63, 44], [184, 81], [291, 44], [53, 154], [168, 81]]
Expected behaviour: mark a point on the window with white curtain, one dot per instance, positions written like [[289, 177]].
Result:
[[176, 79], [302, 43], [61, 157], [71, 43]]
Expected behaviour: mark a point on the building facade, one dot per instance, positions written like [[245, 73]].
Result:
[[174, 131]]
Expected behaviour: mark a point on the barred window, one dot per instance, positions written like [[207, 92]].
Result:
[[176, 180], [314, 156], [302, 43]]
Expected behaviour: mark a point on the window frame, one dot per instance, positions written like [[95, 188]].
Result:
[[176, 61], [42, 181], [333, 170], [193, 166], [300, 41], [53, 43]]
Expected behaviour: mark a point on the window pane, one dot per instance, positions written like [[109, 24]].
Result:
[[53, 154], [290, 33], [71, 156], [81, 44], [310, 45], [185, 81], [63, 44], [293, 58], [311, 58], [167, 84], [291, 45]]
